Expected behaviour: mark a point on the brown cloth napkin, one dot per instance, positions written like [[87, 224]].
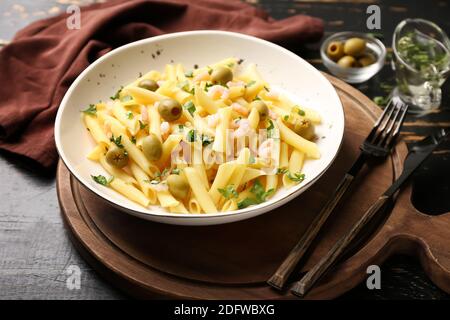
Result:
[[44, 58]]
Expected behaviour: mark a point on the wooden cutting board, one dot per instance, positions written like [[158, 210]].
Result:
[[233, 261]]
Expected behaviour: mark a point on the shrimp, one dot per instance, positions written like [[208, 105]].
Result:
[[217, 92], [165, 129], [237, 83], [265, 149], [144, 114], [239, 109], [243, 128], [202, 76], [273, 115]]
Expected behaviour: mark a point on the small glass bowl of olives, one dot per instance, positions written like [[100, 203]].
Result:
[[353, 56]]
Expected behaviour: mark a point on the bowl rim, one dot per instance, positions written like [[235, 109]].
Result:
[[325, 58], [259, 208]]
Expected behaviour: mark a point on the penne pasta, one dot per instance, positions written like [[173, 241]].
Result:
[[204, 199], [221, 140]]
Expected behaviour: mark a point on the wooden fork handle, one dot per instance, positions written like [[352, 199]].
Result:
[[301, 287], [280, 277]]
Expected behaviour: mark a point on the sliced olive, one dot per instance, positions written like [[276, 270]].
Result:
[[178, 186], [117, 157], [152, 147], [221, 75], [335, 50], [347, 62], [366, 60], [304, 128], [261, 107], [354, 47], [148, 84], [170, 109]]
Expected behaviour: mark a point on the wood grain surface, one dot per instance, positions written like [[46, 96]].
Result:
[[34, 247], [233, 261]]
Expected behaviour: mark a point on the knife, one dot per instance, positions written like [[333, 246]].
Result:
[[416, 156]]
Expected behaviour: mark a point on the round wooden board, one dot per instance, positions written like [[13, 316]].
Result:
[[233, 261]]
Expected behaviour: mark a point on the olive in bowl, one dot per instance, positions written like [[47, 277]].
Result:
[[352, 56]]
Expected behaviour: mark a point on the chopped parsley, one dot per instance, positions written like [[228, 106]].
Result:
[[189, 106], [102, 180], [117, 95], [133, 139], [250, 83], [129, 115], [91, 110], [298, 110], [381, 101], [176, 171], [256, 98], [142, 125], [296, 177], [282, 170], [210, 70], [270, 129], [207, 86], [117, 141], [230, 65], [191, 136], [206, 140], [260, 195], [189, 74], [228, 192]]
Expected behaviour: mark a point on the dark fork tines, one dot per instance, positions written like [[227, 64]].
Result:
[[381, 139]]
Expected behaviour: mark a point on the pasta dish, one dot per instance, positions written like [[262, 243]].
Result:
[[214, 138]]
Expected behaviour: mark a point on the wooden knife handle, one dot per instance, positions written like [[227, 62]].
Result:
[[301, 287], [280, 277]]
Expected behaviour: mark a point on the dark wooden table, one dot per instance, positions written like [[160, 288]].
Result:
[[35, 250]]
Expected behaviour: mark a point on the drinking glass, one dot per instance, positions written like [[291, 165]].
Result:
[[421, 62]]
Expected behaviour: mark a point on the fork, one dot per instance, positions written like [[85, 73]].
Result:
[[378, 144]]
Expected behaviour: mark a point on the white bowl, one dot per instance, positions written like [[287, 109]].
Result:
[[281, 68]]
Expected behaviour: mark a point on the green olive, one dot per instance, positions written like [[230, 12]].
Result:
[[261, 107], [117, 157], [347, 62], [221, 75], [148, 84], [366, 60], [152, 147], [354, 47], [335, 50], [178, 186], [304, 128], [170, 109]]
